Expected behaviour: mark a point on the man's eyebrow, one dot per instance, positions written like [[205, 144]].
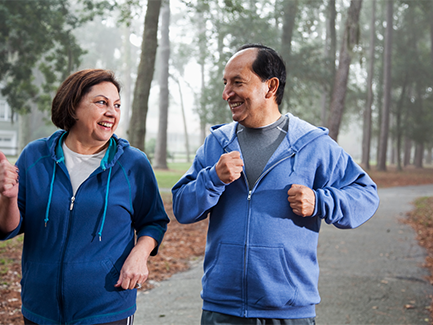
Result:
[[237, 77]]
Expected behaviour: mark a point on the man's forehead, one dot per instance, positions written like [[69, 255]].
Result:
[[248, 54], [240, 61]]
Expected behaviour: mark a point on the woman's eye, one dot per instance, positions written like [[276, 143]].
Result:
[[102, 102], [117, 106]]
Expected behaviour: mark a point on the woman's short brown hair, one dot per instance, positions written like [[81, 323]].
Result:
[[72, 90]]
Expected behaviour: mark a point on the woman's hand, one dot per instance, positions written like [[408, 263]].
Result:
[[134, 271], [9, 212]]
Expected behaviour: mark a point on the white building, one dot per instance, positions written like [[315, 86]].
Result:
[[8, 129]]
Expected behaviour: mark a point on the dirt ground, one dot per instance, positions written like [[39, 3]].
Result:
[[183, 243]]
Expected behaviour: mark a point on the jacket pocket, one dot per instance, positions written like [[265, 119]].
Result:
[[222, 280], [39, 285], [268, 278]]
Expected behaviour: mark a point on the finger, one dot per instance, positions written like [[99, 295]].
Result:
[[236, 157], [234, 154], [295, 188]]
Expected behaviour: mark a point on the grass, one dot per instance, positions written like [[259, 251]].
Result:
[[167, 178]]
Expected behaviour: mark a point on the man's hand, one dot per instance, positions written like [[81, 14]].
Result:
[[229, 167], [8, 178], [302, 200]]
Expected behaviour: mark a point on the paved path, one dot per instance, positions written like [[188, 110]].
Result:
[[368, 276]]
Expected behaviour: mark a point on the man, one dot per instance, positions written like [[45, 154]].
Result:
[[267, 181]]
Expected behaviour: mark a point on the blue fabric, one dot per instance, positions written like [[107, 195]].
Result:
[[68, 273], [261, 258]]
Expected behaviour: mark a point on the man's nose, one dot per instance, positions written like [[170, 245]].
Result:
[[227, 92]]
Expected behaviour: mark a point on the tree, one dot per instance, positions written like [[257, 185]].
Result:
[[350, 39], [137, 126], [164, 51], [366, 136], [290, 9], [384, 129], [30, 43], [330, 55]]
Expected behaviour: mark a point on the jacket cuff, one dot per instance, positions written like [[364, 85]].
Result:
[[316, 203], [215, 179]]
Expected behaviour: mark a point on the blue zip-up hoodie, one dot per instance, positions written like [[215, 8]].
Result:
[[75, 246], [261, 258]]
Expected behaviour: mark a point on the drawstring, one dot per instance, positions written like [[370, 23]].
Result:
[[47, 212], [294, 163], [105, 206]]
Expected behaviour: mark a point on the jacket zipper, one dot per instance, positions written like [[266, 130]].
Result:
[[65, 246], [249, 197], [71, 206]]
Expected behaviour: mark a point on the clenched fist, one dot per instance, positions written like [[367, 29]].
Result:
[[229, 167], [8, 178], [302, 200]]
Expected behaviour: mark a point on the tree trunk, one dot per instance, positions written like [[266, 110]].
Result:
[[350, 38], [290, 9], [329, 53], [126, 89], [431, 31], [202, 61], [399, 128], [419, 155], [137, 125], [366, 135], [428, 159], [384, 128], [161, 140], [407, 151], [185, 128]]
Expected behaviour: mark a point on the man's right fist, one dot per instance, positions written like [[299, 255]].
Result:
[[229, 167]]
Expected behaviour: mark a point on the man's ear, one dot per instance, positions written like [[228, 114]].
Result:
[[273, 84]]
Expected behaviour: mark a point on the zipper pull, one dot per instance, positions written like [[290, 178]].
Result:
[[249, 195], [72, 203]]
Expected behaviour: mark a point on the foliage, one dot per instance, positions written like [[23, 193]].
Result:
[[38, 48]]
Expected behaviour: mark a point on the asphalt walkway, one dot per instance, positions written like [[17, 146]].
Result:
[[370, 275]]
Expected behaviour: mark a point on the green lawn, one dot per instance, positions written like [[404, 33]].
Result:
[[167, 178]]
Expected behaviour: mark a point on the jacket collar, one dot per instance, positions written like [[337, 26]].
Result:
[[299, 134], [114, 150]]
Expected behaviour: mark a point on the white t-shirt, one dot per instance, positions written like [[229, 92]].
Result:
[[81, 166]]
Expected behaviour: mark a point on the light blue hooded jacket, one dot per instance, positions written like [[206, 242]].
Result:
[[75, 246], [261, 258]]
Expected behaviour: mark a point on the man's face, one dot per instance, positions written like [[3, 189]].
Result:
[[244, 91]]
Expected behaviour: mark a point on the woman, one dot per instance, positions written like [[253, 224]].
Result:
[[82, 194]]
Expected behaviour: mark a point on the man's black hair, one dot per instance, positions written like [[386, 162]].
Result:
[[268, 64]]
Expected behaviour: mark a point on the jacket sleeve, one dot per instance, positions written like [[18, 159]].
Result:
[[197, 191], [150, 218], [350, 196]]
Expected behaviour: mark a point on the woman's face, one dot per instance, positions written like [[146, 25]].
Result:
[[97, 117]]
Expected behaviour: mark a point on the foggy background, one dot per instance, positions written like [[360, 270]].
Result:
[[202, 35]]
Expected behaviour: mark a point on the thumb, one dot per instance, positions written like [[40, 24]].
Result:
[[119, 282], [2, 156]]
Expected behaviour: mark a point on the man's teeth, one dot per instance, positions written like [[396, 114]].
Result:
[[234, 105]]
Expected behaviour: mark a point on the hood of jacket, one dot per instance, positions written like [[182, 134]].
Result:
[[299, 134], [114, 150]]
